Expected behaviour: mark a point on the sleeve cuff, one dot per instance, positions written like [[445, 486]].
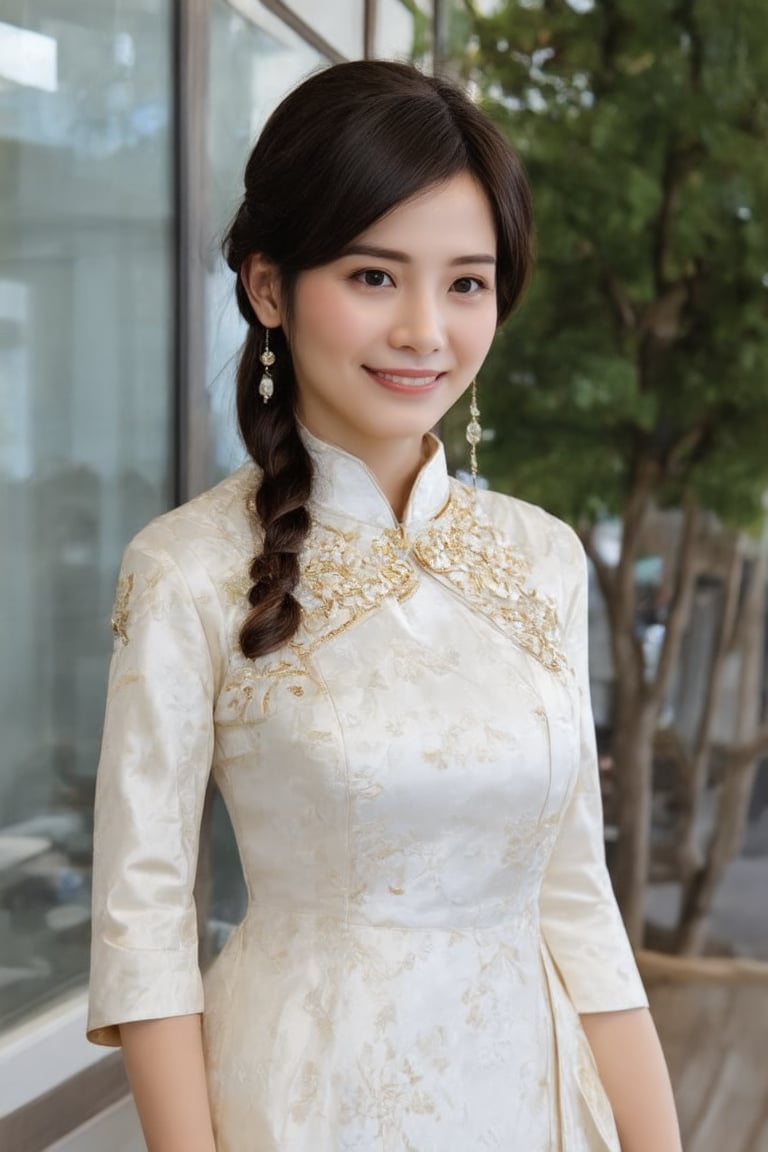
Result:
[[598, 970], [130, 984]]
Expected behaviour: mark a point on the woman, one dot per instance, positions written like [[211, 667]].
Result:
[[387, 673]]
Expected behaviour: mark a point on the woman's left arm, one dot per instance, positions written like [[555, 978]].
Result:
[[583, 930], [634, 1074]]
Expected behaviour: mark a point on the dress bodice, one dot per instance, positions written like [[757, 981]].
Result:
[[413, 785], [409, 753]]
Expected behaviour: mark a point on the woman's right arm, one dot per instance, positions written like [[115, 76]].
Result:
[[146, 989], [164, 1060]]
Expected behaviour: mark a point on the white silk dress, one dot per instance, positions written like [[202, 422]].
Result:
[[413, 786]]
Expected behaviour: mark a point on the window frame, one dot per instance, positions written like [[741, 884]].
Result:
[[52, 1079]]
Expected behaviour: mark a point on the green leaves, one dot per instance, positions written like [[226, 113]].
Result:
[[644, 127]]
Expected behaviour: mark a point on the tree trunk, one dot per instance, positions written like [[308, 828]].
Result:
[[724, 846], [738, 781], [639, 704], [632, 724], [679, 614], [690, 850], [635, 723]]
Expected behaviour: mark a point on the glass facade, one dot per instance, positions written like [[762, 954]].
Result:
[[92, 439], [85, 404], [93, 330], [252, 63]]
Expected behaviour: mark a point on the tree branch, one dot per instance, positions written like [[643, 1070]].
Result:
[[680, 606], [610, 41], [737, 759], [688, 442], [606, 575], [695, 777], [622, 305], [635, 510], [683, 13], [678, 164]]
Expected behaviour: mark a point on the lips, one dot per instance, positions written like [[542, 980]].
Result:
[[406, 379]]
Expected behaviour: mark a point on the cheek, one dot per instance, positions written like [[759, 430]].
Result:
[[326, 319], [477, 333], [311, 314]]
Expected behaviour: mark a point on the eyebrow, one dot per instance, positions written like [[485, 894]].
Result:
[[404, 258]]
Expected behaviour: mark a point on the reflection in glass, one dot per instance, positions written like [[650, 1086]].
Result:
[[251, 67], [395, 30], [85, 362]]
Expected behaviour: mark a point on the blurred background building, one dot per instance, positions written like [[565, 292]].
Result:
[[642, 351], [124, 129]]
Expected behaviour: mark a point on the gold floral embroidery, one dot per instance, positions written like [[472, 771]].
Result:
[[120, 611], [344, 579], [342, 582], [236, 588], [469, 553]]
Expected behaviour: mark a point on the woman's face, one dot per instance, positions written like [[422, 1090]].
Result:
[[388, 336]]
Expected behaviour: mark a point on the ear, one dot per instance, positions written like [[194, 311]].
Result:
[[262, 285]]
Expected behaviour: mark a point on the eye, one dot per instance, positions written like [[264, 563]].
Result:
[[373, 278], [468, 285]]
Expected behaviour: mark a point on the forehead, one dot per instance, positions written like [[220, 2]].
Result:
[[452, 216]]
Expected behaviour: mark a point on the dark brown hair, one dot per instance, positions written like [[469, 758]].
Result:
[[345, 148]]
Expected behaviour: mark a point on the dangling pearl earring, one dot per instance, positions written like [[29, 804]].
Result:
[[267, 357], [474, 433]]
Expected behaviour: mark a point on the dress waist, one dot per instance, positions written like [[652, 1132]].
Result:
[[500, 922]]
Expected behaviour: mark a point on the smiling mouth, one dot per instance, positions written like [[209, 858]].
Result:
[[406, 379]]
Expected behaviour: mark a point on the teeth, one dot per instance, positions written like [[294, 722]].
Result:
[[408, 381]]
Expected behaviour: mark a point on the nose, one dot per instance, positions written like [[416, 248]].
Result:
[[419, 324]]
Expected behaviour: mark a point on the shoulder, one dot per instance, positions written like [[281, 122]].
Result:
[[204, 545], [177, 572], [206, 529], [522, 564], [543, 537], [545, 554]]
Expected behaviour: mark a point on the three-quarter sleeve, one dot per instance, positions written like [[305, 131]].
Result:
[[581, 923], [155, 762]]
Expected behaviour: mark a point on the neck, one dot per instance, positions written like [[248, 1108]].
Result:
[[395, 464], [396, 471]]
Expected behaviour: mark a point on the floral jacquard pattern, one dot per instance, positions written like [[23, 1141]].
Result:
[[342, 581], [122, 602], [469, 553], [346, 577], [413, 787]]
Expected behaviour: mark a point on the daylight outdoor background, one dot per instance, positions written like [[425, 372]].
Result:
[[629, 395]]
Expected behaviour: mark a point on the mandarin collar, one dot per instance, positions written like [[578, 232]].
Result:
[[344, 485]]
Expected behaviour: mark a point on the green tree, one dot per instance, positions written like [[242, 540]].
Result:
[[637, 373]]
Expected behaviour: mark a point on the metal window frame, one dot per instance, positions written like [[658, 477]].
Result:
[[292, 20], [191, 424], [191, 447], [77, 1099], [369, 29], [60, 1112], [439, 33]]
